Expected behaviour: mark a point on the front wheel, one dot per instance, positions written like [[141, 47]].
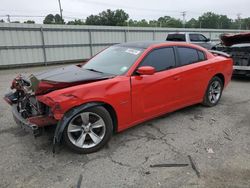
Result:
[[89, 130], [213, 92]]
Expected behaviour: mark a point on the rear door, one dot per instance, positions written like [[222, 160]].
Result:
[[195, 72], [155, 94]]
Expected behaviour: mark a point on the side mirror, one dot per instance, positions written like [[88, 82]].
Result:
[[146, 70]]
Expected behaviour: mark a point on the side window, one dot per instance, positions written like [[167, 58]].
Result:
[[201, 55], [194, 38], [176, 37], [187, 55], [202, 38], [197, 38], [160, 59]]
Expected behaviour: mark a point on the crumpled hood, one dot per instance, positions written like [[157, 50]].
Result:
[[229, 40], [69, 74], [64, 77]]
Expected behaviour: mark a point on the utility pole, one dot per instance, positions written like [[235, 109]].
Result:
[[59, 1], [239, 18], [8, 18], [184, 18]]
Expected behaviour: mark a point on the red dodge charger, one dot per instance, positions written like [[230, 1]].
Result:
[[122, 86]]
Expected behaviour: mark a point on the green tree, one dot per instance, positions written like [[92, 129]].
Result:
[[49, 19], [120, 17], [168, 21], [108, 17], [58, 19], [76, 22], [208, 20], [142, 23], [153, 23], [29, 22], [246, 23], [93, 20], [224, 22], [192, 23], [2, 21], [53, 19], [214, 21]]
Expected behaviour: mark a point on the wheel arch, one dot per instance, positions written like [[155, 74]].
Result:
[[67, 117], [221, 76], [113, 115]]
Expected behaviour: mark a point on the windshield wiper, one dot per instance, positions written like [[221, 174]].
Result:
[[94, 70]]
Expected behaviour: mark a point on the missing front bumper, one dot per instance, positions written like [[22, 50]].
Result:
[[23, 123]]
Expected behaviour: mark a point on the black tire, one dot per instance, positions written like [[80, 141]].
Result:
[[104, 114], [207, 97]]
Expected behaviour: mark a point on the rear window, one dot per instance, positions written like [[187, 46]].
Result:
[[202, 56], [187, 55], [190, 55], [176, 37]]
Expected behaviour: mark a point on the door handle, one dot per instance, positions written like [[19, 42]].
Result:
[[177, 77], [209, 68]]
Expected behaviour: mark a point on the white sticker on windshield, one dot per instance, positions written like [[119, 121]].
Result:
[[123, 69], [133, 51]]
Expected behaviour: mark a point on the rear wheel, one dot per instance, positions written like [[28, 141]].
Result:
[[89, 130], [213, 92]]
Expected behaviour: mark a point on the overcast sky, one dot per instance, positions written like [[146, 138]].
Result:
[[137, 9]]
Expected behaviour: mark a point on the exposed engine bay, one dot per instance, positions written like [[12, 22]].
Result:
[[25, 100], [27, 110]]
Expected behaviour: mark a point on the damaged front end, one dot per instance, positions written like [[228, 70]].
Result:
[[27, 111]]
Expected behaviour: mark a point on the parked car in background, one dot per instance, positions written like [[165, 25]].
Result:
[[238, 46], [122, 86], [193, 38]]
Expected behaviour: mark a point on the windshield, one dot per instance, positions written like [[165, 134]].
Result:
[[114, 60]]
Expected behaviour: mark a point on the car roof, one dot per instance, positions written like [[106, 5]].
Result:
[[155, 44], [141, 44]]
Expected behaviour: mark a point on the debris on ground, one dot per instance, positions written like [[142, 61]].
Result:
[[228, 134], [79, 182], [168, 165], [212, 119], [147, 172], [198, 117], [210, 150], [228, 138], [194, 166]]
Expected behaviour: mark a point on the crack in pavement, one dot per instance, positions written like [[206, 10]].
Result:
[[117, 162], [172, 148]]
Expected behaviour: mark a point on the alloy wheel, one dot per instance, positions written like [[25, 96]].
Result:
[[86, 130], [214, 92]]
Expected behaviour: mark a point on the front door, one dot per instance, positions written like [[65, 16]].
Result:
[[155, 94]]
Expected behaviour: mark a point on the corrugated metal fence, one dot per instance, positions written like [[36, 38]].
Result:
[[34, 44]]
